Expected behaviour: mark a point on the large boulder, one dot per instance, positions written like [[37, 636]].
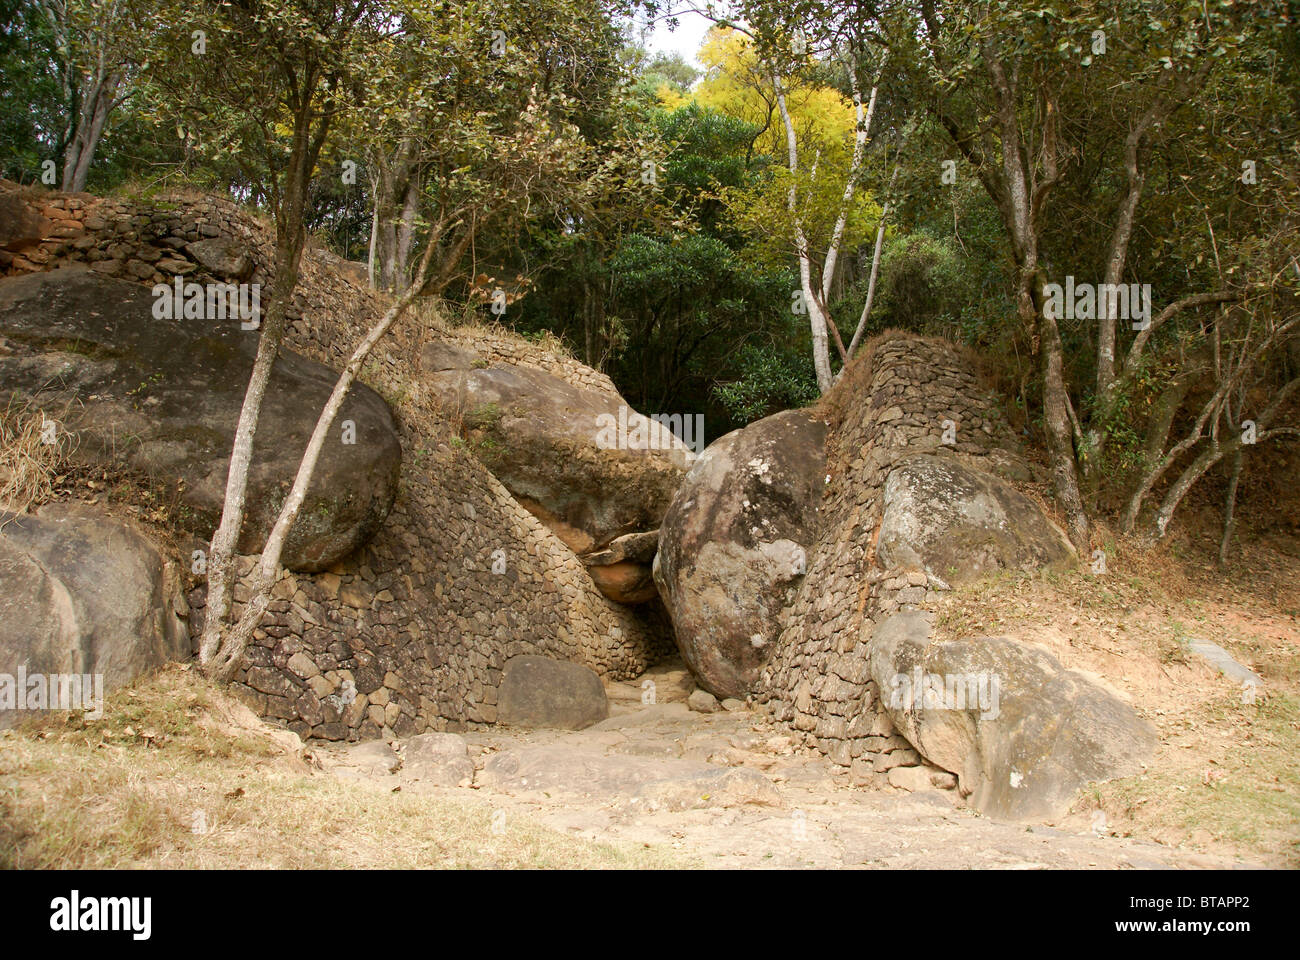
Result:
[[84, 593], [733, 546], [579, 458], [1022, 733], [163, 397], [541, 692], [958, 522]]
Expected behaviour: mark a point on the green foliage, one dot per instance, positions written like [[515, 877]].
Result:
[[760, 209], [661, 74], [668, 308], [770, 381], [31, 102], [925, 285], [710, 154]]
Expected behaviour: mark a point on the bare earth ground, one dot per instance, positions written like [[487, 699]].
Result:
[[177, 774], [1226, 777], [586, 784]]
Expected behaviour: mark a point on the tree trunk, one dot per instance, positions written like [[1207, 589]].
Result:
[[1154, 446], [1021, 200], [97, 103], [1211, 455], [875, 271], [397, 206], [374, 233], [1230, 508], [225, 540], [290, 239], [228, 658], [1210, 413], [1060, 436], [817, 320], [588, 325], [406, 236]]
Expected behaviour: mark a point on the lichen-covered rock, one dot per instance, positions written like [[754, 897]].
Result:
[[164, 397], [558, 447], [1022, 733], [82, 592], [958, 522], [541, 692], [903, 397], [733, 545], [223, 257]]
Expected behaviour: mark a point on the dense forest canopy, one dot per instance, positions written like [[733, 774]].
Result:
[[1101, 196]]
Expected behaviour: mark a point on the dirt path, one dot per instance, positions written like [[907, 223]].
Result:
[[729, 790]]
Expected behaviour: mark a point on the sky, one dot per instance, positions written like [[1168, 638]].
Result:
[[685, 39]]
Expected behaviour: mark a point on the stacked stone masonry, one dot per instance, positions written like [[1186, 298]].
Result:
[[892, 406], [411, 632]]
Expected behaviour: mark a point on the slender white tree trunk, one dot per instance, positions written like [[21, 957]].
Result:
[[875, 271], [815, 285], [374, 231], [816, 317], [861, 134], [227, 659], [225, 541]]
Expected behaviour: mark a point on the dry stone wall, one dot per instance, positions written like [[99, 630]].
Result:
[[412, 632], [893, 404], [149, 240]]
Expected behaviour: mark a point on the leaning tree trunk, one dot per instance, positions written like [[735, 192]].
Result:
[[231, 653], [221, 554], [290, 239], [1153, 449], [875, 271]]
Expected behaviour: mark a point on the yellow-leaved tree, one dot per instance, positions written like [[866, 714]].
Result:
[[815, 205]]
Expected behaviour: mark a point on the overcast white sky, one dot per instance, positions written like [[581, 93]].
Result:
[[686, 38]]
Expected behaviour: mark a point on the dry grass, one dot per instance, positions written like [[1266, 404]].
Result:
[[1226, 776], [33, 450], [465, 324], [179, 775]]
